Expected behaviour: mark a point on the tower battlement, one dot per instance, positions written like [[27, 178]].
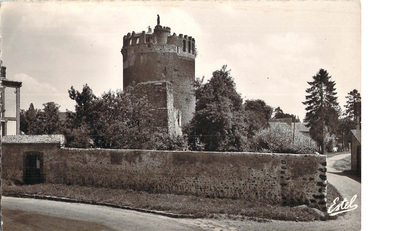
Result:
[[161, 39]]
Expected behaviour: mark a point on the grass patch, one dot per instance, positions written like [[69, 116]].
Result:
[[178, 204], [332, 193]]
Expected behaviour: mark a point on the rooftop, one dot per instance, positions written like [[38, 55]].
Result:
[[357, 133], [301, 127]]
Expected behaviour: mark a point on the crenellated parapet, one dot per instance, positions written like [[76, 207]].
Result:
[[184, 42], [160, 40]]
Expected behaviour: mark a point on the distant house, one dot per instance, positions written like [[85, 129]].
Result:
[[303, 129], [282, 120], [356, 144], [298, 126], [356, 151]]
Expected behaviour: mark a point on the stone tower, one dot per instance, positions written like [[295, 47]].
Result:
[[159, 56]]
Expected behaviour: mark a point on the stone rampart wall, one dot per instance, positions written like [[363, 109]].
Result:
[[273, 178]]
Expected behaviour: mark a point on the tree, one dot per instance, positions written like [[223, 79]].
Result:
[[41, 122], [353, 98], [218, 122], [82, 125], [86, 108], [258, 114], [348, 121], [122, 121], [29, 123], [279, 114], [49, 117], [115, 120], [322, 107]]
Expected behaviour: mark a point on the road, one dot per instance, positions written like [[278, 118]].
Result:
[[31, 214]]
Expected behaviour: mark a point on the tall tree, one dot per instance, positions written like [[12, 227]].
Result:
[[258, 114], [218, 122], [348, 122], [49, 118], [353, 98], [29, 123], [86, 108], [83, 122], [322, 107]]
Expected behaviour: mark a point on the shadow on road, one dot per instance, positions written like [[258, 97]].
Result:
[[22, 220], [351, 174]]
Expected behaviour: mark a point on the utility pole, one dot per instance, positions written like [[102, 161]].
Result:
[[294, 132]]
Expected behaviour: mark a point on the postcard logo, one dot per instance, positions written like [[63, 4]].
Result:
[[343, 206]]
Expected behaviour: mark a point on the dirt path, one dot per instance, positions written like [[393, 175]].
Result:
[[348, 188]]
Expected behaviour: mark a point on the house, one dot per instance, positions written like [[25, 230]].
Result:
[[303, 129], [356, 151], [300, 127], [282, 120], [356, 144]]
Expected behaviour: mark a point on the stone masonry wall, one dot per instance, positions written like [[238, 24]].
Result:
[[1, 191], [273, 178], [163, 66], [159, 95]]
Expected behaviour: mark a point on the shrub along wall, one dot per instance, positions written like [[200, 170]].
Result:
[[290, 179]]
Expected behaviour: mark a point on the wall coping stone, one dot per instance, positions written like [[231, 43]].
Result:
[[194, 152], [34, 139]]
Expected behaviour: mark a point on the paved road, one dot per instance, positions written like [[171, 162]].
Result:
[[348, 187], [30, 214]]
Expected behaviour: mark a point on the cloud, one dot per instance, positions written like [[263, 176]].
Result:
[[33, 87], [38, 93]]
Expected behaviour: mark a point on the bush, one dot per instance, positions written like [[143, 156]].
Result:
[[78, 138], [278, 138]]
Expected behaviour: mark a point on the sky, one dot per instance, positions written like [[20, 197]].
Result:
[[271, 48]]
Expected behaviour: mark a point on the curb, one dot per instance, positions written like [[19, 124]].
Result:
[[64, 199]]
